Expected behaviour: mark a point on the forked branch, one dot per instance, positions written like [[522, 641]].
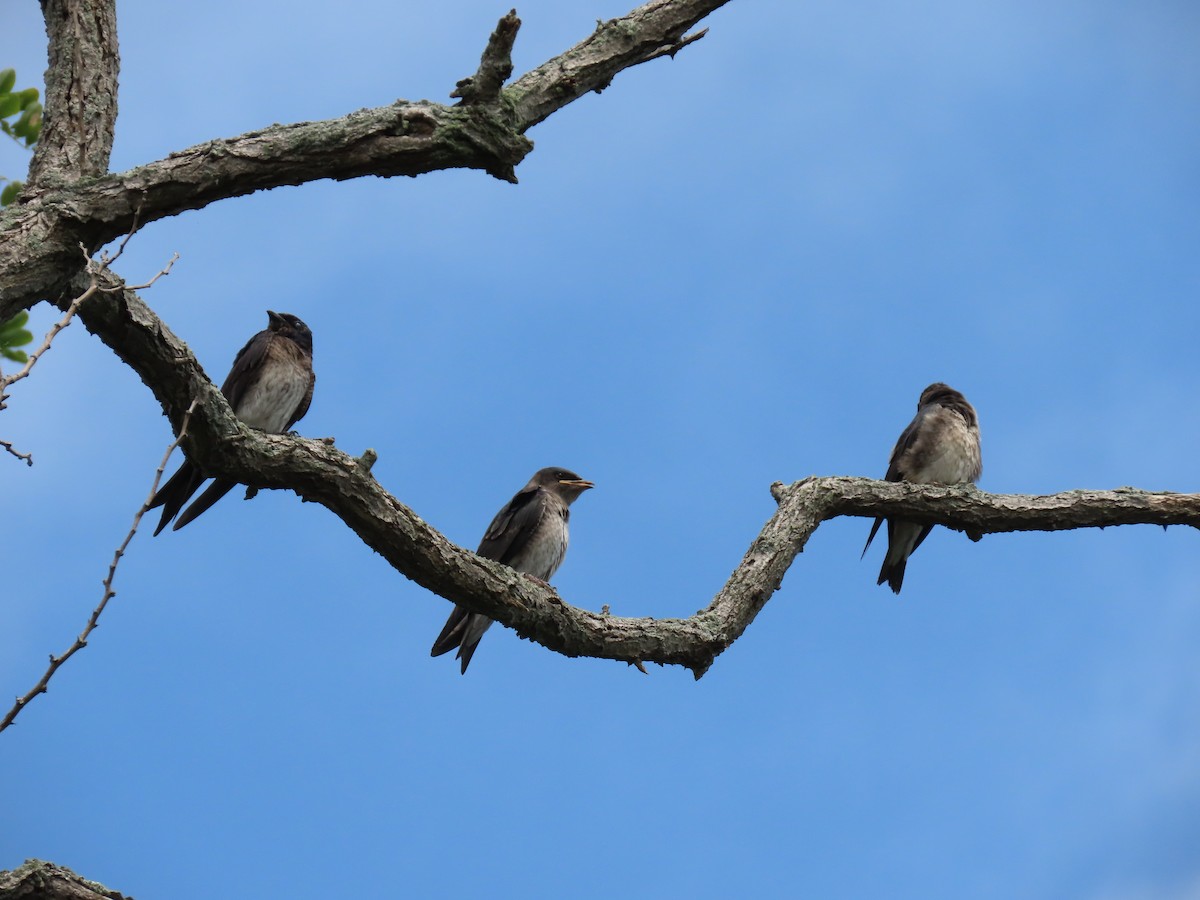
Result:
[[486, 132]]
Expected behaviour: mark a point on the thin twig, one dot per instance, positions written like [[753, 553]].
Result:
[[95, 268], [28, 457], [94, 620], [58, 326], [165, 270], [137, 217]]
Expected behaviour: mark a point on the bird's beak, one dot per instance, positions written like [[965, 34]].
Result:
[[581, 484], [274, 318]]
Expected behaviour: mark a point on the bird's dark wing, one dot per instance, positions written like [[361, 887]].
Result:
[[513, 525], [246, 366], [896, 467], [504, 538], [176, 492], [871, 536], [211, 495], [908, 437], [179, 489]]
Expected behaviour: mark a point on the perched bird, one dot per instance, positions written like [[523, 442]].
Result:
[[269, 387], [939, 446], [529, 534]]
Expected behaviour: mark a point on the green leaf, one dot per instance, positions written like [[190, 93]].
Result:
[[18, 338], [29, 126], [24, 104], [17, 321], [13, 334], [9, 194]]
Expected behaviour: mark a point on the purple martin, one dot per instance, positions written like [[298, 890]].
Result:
[[269, 388], [530, 535], [939, 446]]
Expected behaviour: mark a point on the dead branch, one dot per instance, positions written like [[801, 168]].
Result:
[[94, 620]]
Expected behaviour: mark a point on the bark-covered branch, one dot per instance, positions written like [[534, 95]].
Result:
[[409, 138], [319, 472], [401, 139], [81, 91], [39, 236], [495, 66], [37, 880], [38, 246], [650, 31]]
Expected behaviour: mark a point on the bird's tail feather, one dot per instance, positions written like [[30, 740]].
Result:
[[451, 634], [176, 492], [211, 495], [463, 630], [893, 574], [903, 539], [871, 536]]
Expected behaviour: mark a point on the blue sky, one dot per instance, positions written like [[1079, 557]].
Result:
[[738, 267]]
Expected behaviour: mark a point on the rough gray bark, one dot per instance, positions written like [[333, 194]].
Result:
[[81, 95], [321, 473], [37, 880], [39, 257], [75, 200]]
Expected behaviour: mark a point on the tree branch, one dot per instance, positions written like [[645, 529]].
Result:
[[402, 139], [317, 471], [6, 381], [495, 66], [94, 620], [93, 268], [38, 235], [967, 509], [9, 448], [411, 138], [81, 91], [648, 32], [37, 880]]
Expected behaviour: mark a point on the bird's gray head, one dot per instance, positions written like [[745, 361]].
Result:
[[290, 327], [563, 482], [943, 395], [936, 393]]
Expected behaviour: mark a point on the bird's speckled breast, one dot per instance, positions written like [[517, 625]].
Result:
[[280, 388], [544, 551], [950, 453]]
